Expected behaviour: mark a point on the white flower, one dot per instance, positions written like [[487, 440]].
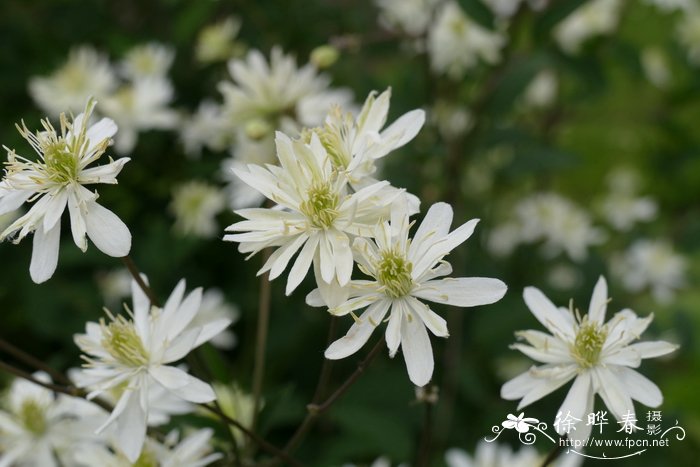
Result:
[[132, 355], [656, 67], [193, 451], [499, 455], [236, 404], [593, 18], [86, 73], [150, 60], [651, 264], [215, 307], [355, 144], [623, 210], [195, 205], [38, 428], [216, 42], [207, 127], [542, 90], [599, 356], [246, 151], [141, 105], [57, 179], [688, 33], [410, 16], [456, 43], [316, 214], [669, 6], [114, 285], [452, 120], [402, 272], [271, 95]]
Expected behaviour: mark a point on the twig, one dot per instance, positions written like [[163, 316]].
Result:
[[34, 362], [261, 338], [555, 452], [326, 366], [135, 273]]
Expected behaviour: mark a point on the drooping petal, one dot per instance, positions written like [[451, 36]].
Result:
[[181, 384], [417, 351], [109, 234], [574, 404], [131, 429], [302, 264], [640, 388], [45, 253], [462, 291], [76, 209], [613, 393], [359, 332]]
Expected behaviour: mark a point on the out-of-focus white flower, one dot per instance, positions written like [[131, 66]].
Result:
[[150, 60], [622, 207], [548, 217], [38, 428], [499, 455], [354, 145], [193, 451], [599, 356], [402, 273], [57, 180], [114, 286], [317, 215], [542, 90], [141, 105], [593, 18], [503, 8], [85, 74], [563, 276], [452, 120], [409, 16], [651, 264], [457, 44], [656, 68], [246, 151], [207, 127], [669, 6], [215, 307], [236, 404], [276, 95], [133, 355], [216, 42], [688, 33], [195, 205]]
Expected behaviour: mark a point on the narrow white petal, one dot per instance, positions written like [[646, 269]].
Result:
[[599, 302], [576, 400], [549, 315], [302, 264], [613, 393], [278, 261], [654, 348], [54, 208], [432, 320], [359, 332], [45, 253], [548, 384], [109, 234], [640, 388], [462, 291], [417, 351], [131, 429], [181, 384], [76, 209], [393, 329]]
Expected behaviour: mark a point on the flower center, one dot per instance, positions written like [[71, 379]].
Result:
[[123, 343], [321, 205], [394, 273], [31, 413], [61, 163], [146, 459], [588, 344]]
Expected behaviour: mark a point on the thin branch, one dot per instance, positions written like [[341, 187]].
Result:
[[270, 448], [261, 338], [327, 365], [555, 452], [34, 362], [136, 274]]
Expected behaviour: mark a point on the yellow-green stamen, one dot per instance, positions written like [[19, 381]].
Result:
[[321, 205], [394, 273]]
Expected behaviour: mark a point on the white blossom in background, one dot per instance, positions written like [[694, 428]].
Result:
[[266, 96], [452, 120], [316, 214], [410, 16], [669, 6], [402, 273], [562, 225], [246, 151], [236, 404], [194, 450], [599, 356], [151, 60], [85, 74], [688, 34], [195, 205], [216, 42], [499, 455], [140, 105], [38, 428], [622, 207], [457, 44], [656, 67], [542, 90], [653, 265], [57, 180], [132, 355], [114, 285], [206, 128], [215, 307], [503, 8], [356, 144], [593, 18]]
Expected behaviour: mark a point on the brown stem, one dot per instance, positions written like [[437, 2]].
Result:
[[555, 452], [423, 455], [34, 362], [270, 448], [326, 366], [135, 273]]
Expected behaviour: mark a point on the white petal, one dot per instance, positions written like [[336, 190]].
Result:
[[616, 398], [599, 302], [12, 199], [185, 313], [54, 208], [576, 400], [76, 209], [181, 384], [626, 356], [548, 314], [131, 429], [359, 332], [98, 132], [432, 320], [278, 261], [393, 329], [333, 294], [109, 234], [654, 348], [517, 387], [302, 264], [417, 351], [45, 253], [343, 256], [640, 388], [462, 291]]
